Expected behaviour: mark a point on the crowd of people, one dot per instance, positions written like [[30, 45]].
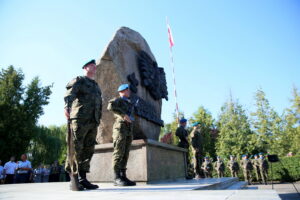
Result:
[[22, 172]]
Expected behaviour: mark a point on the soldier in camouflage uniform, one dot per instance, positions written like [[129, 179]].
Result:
[[83, 106], [233, 166], [255, 163], [207, 167], [123, 108], [197, 148], [220, 167], [182, 134], [247, 169], [263, 167]]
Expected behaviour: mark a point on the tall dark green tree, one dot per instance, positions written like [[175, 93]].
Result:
[[206, 120], [235, 136], [20, 106]]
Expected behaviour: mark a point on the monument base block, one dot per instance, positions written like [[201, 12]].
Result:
[[149, 161]]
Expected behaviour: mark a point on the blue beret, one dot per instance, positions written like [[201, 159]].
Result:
[[182, 120], [260, 153], [123, 87], [206, 157], [244, 156], [90, 62], [195, 124]]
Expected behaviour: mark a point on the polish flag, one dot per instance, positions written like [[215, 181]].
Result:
[[171, 40]]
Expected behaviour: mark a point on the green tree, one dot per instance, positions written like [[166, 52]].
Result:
[[206, 120], [48, 145], [267, 124], [20, 106], [235, 136], [290, 140]]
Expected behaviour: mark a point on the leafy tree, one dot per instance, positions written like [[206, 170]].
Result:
[[207, 127], [290, 140], [235, 136], [267, 124], [48, 145], [20, 106]]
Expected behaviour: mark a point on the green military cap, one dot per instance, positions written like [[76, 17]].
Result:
[[90, 62]]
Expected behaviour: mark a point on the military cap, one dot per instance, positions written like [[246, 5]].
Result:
[[260, 153], [244, 156], [90, 62], [206, 157], [255, 155], [195, 124], [232, 156], [218, 157], [123, 87], [182, 120]]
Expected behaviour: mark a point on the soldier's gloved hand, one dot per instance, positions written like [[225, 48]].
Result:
[[67, 114], [127, 118]]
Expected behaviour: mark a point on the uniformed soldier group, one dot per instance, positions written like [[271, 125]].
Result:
[[83, 108], [204, 166]]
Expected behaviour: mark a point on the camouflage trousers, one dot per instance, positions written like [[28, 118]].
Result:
[[257, 173], [220, 173], [264, 175], [122, 139], [197, 163], [84, 139], [234, 173], [248, 176], [207, 174]]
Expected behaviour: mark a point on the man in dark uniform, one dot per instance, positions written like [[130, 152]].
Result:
[[123, 109], [83, 106], [182, 134]]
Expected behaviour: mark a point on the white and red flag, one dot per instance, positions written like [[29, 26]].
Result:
[[171, 40]]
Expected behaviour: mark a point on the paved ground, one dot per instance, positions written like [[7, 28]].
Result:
[[163, 191], [286, 191]]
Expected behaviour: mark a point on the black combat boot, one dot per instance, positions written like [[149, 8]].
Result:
[[124, 177], [85, 183], [118, 180], [75, 185]]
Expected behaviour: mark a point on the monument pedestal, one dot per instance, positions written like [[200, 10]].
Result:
[[149, 161]]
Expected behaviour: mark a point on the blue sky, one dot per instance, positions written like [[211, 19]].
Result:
[[219, 46]]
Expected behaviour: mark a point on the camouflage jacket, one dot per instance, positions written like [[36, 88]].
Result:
[[120, 107], [233, 165], [255, 163], [219, 166], [83, 99], [263, 163], [207, 166], [247, 164], [182, 134], [196, 140]]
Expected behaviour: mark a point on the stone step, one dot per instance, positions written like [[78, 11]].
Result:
[[238, 186], [219, 184]]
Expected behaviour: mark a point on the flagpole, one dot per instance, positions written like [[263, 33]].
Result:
[[173, 68]]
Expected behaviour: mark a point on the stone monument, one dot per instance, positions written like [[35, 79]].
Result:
[[128, 59]]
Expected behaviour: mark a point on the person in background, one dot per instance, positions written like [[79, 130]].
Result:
[[54, 172], [38, 174], [10, 170], [23, 170], [1, 173], [46, 173]]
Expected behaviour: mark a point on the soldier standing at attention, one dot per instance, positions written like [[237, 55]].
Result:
[[123, 109], [263, 167], [197, 147], [207, 167], [233, 166], [182, 134], [255, 163], [83, 106], [220, 167], [247, 169]]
